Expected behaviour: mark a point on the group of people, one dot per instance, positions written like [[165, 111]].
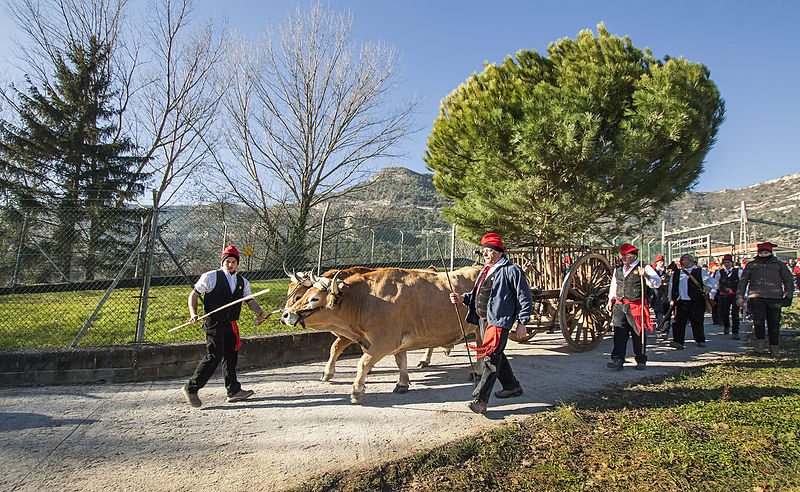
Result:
[[501, 300], [682, 292]]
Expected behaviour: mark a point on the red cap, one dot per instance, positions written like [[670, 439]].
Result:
[[492, 241], [628, 248], [230, 251], [659, 257], [765, 246], [727, 257], [712, 264]]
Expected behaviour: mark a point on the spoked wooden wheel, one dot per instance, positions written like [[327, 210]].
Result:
[[582, 312]]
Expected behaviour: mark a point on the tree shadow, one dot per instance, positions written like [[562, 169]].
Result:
[[15, 421]]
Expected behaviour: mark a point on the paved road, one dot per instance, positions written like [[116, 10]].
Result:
[[144, 436]]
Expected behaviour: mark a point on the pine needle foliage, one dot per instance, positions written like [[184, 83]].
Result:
[[589, 140]]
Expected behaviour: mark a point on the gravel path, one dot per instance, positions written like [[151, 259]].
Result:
[[143, 436]]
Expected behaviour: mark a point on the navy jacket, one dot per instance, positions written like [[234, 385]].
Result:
[[510, 299]]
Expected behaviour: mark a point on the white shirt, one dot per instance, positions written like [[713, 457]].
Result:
[[208, 281], [651, 278], [683, 284]]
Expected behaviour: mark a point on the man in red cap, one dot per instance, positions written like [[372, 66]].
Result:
[[630, 314], [499, 301], [770, 287], [660, 300], [220, 287], [727, 279]]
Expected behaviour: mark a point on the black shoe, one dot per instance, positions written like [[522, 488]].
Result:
[[676, 345], [508, 393], [725, 331], [615, 364], [241, 395], [735, 335], [641, 366]]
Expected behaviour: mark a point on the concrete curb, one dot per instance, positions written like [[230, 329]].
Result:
[[127, 364]]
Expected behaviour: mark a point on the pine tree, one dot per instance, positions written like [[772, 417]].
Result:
[[592, 139], [68, 139]]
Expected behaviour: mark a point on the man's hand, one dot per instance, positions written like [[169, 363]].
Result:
[[456, 298], [521, 330], [610, 305], [787, 301], [707, 289], [740, 302], [193, 318]]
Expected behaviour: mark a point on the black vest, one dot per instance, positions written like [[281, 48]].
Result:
[[221, 295], [728, 283], [483, 295], [629, 287], [694, 291]]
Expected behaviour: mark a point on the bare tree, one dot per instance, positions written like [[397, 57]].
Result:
[[308, 111], [180, 95]]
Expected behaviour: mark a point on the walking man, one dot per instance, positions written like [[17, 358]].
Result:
[[499, 301], [222, 333], [688, 286], [770, 288], [727, 279], [630, 314]]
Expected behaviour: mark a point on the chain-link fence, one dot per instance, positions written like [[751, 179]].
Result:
[[72, 277]]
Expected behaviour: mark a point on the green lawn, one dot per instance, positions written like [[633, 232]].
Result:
[[54, 319], [730, 425]]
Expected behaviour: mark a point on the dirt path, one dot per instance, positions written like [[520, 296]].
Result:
[[144, 436]]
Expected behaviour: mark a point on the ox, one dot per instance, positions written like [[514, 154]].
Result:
[[388, 311], [300, 282]]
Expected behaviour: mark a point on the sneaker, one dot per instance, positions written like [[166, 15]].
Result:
[[509, 392], [641, 366], [241, 395], [676, 345], [477, 406], [615, 365], [192, 399], [725, 331], [701, 344]]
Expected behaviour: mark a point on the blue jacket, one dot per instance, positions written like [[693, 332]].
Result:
[[509, 301]]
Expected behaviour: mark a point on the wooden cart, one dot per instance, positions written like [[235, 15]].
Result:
[[570, 287]]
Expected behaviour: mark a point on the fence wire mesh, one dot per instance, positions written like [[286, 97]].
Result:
[[68, 277]]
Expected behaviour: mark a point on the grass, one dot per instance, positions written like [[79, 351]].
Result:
[[730, 425], [54, 319]]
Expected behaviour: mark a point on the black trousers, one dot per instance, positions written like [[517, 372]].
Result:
[[621, 335], [495, 367], [693, 312], [220, 343], [728, 310], [768, 310]]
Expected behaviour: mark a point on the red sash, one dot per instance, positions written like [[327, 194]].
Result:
[[636, 311], [491, 339], [236, 332]]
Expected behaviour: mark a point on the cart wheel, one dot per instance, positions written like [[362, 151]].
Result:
[[582, 312]]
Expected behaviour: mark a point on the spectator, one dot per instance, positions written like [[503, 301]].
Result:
[[769, 286]]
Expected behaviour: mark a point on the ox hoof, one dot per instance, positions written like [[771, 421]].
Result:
[[356, 397], [327, 376], [446, 352], [400, 388], [422, 364]]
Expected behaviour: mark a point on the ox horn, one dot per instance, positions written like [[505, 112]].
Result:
[[335, 284], [292, 276]]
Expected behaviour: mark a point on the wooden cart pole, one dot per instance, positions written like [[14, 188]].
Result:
[[458, 316]]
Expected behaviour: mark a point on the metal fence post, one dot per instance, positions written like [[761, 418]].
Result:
[[321, 238], [151, 245], [19, 252], [452, 247]]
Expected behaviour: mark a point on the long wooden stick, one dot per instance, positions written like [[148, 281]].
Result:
[[641, 279], [243, 299], [458, 315]]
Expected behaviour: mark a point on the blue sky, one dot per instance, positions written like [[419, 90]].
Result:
[[751, 48]]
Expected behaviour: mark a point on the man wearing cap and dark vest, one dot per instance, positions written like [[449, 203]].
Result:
[[222, 333], [770, 288], [659, 293], [687, 289], [500, 300], [630, 314], [727, 279]]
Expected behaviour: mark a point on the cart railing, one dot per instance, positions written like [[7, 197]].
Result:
[[547, 264]]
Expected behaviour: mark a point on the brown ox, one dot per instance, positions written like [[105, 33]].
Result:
[[302, 281], [388, 311]]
